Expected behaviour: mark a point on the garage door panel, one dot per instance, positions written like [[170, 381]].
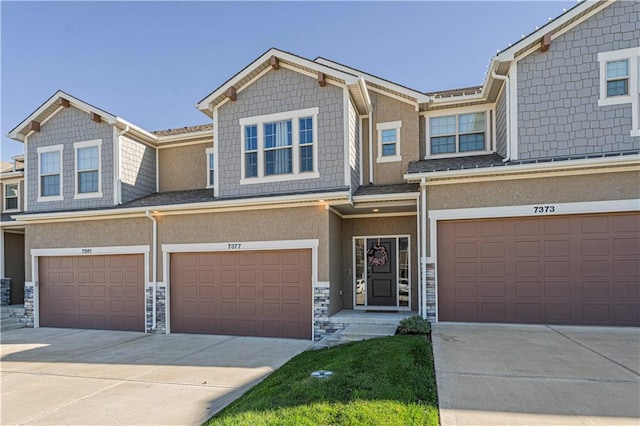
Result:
[[256, 293], [578, 269]]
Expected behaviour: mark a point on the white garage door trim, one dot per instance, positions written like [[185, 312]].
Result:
[[82, 251], [534, 210], [167, 249]]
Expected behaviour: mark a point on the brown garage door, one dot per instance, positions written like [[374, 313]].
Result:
[[578, 269], [99, 292], [253, 293]]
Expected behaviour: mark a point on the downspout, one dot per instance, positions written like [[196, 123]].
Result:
[[371, 146], [419, 246], [508, 111], [119, 165], [154, 272], [423, 241]]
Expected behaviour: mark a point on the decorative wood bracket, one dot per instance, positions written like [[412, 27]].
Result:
[[274, 62], [35, 126], [231, 93], [545, 43], [95, 117], [64, 102], [322, 81]]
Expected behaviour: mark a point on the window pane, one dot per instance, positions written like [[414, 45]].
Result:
[[473, 142], [389, 135], [49, 163], [277, 162], [211, 162], [306, 158], [12, 203], [443, 125], [50, 185], [618, 87], [88, 158], [469, 123], [87, 182], [388, 149], [361, 281], [251, 164], [616, 69], [251, 138], [403, 271], [11, 190], [443, 144], [306, 130], [277, 134], [211, 177]]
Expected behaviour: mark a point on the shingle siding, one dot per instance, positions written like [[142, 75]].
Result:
[[68, 126], [275, 92], [558, 91], [501, 123], [354, 147], [137, 169]]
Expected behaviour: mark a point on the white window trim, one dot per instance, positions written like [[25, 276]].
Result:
[[87, 144], [259, 122], [43, 150], [633, 98], [4, 197], [489, 134], [209, 152], [391, 125]]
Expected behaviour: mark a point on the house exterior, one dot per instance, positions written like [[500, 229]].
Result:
[[317, 188]]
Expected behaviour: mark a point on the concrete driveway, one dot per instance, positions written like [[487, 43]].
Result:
[[521, 374], [66, 376]]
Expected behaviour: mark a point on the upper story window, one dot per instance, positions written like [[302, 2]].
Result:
[[49, 173], [211, 176], [11, 197], [460, 133], [88, 169], [389, 141], [620, 82], [279, 147]]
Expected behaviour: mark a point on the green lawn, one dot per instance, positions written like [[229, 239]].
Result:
[[386, 381]]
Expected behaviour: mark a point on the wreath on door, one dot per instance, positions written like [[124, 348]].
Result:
[[378, 255]]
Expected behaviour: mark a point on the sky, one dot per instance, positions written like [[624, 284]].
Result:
[[150, 62]]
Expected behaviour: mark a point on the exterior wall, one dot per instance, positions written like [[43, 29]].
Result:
[[558, 112], [183, 167], [501, 122], [137, 169], [281, 91], [565, 189], [68, 126], [354, 147], [377, 226], [336, 266], [14, 264], [365, 151], [92, 233], [386, 109], [20, 196]]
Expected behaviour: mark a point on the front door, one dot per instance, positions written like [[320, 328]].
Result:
[[381, 272]]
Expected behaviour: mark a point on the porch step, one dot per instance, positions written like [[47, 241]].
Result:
[[11, 323], [358, 332], [11, 317]]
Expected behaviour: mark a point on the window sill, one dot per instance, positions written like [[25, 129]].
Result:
[[389, 159], [51, 198], [87, 195], [210, 186], [278, 178], [11, 211], [614, 100]]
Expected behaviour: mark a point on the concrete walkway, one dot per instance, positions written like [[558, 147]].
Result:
[[82, 377], [534, 375]]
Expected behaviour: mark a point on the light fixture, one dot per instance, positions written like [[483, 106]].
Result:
[[376, 210], [321, 201]]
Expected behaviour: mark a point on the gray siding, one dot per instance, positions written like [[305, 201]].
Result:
[[280, 91], [354, 147], [68, 126], [558, 112], [137, 169], [501, 123]]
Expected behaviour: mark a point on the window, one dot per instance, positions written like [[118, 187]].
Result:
[[50, 177], [278, 147], [88, 169], [389, 141], [11, 193], [620, 82], [461, 133], [211, 176]]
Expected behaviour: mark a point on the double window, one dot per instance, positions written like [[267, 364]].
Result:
[[49, 173], [87, 169], [279, 146], [11, 194], [389, 141], [460, 133]]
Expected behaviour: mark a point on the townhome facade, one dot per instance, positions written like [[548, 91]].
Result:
[[316, 188]]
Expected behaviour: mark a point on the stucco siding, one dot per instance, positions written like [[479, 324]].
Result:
[[67, 127], [183, 167], [277, 92], [501, 123], [558, 90], [137, 169]]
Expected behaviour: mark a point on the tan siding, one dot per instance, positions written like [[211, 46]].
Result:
[[183, 167]]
